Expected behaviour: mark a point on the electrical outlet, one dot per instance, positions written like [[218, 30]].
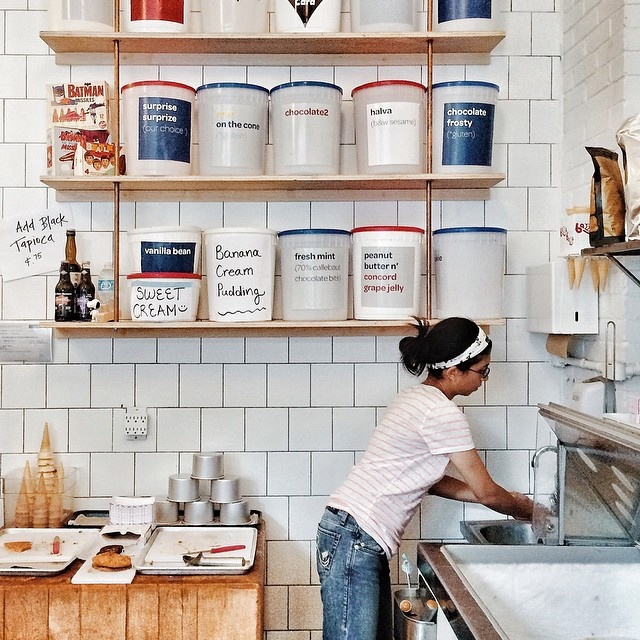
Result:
[[135, 423]]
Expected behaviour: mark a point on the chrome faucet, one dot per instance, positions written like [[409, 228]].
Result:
[[539, 452]]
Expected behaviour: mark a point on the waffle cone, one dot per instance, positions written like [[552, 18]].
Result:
[[571, 271], [579, 269], [41, 504], [56, 511], [603, 272], [595, 275], [45, 461], [22, 516]]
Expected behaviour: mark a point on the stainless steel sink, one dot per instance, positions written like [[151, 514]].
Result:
[[510, 532]]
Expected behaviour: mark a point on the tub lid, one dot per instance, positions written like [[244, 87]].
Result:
[[231, 85], [166, 275], [470, 230], [272, 232], [306, 83], [384, 83], [291, 232], [466, 83], [167, 229], [158, 83], [388, 228]]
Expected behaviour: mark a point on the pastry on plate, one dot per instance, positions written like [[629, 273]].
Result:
[[18, 545], [111, 561]]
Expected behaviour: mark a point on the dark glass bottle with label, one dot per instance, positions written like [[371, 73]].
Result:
[[70, 251], [85, 293], [65, 296]]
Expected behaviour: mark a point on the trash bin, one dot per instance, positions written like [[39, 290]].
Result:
[[414, 612]]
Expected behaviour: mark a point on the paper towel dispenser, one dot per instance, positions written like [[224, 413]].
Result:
[[554, 307]]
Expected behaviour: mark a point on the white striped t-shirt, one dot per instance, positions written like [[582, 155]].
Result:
[[407, 454]]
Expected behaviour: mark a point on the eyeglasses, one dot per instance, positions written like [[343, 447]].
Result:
[[483, 373]]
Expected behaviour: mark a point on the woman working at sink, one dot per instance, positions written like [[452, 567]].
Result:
[[420, 434]]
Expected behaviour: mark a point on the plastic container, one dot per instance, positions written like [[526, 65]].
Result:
[[240, 273], [157, 119], [129, 510], [390, 126], [462, 15], [156, 15], [469, 265], [235, 16], [463, 122], [80, 15], [105, 292], [314, 267], [300, 16], [232, 128], [387, 266], [164, 297], [165, 249], [388, 16], [305, 126]]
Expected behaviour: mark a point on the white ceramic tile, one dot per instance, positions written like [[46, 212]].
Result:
[[306, 512], [152, 473], [90, 350], [375, 384], [328, 471], [288, 385], [187, 350], [488, 427], [275, 510], [22, 29], [156, 385], [310, 428], [285, 565], [332, 385], [68, 386], [289, 473], [12, 430], [251, 468], [12, 165], [200, 385], [178, 430], [112, 385], [272, 350], [244, 385], [353, 349], [440, 518], [23, 386], [227, 350], [352, 427], [267, 430], [313, 349], [505, 467], [135, 350], [13, 70], [112, 474], [305, 608], [223, 429], [90, 430]]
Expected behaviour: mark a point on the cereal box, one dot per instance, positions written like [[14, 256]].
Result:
[[63, 144], [85, 106]]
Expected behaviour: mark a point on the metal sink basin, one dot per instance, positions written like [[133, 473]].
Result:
[[509, 532]]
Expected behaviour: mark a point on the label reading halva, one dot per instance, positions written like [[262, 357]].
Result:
[[393, 133], [387, 276], [164, 129], [467, 133], [317, 279], [461, 9]]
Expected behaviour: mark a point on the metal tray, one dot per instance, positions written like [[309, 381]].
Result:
[[162, 555], [39, 560]]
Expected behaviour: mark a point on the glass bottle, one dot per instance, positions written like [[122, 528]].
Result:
[[85, 293], [65, 296], [70, 257], [106, 293]]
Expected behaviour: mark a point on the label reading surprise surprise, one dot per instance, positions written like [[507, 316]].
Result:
[[462, 9], [467, 133], [393, 133], [387, 276], [165, 10], [164, 129], [317, 279]]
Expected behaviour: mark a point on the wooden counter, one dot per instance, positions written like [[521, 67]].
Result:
[[227, 607]]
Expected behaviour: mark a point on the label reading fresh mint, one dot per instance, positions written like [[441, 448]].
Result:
[[461, 9]]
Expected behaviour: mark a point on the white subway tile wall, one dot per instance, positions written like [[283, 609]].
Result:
[[293, 414]]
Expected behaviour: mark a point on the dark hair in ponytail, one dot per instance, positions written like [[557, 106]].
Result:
[[439, 343]]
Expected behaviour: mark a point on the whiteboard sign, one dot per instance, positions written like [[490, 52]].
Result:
[[25, 342], [34, 243]]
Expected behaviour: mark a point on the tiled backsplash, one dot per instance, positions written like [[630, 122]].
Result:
[[291, 414]]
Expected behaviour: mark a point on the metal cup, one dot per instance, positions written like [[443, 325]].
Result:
[[183, 488], [208, 465], [165, 511], [225, 489], [235, 512], [198, 512]]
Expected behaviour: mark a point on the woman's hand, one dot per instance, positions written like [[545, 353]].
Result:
[[525, 506]]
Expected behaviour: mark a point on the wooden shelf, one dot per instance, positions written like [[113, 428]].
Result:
[[208, 329], [319, 49], [282, 188], [629, 248]]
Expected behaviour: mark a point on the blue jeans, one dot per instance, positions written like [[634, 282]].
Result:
[[355, 584]]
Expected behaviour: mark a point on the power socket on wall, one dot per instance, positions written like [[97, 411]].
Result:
[[135, 423]]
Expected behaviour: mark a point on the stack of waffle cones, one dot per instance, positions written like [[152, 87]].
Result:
[[40, 502], [598, 265]]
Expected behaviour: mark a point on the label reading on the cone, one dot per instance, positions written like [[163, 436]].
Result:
[[164, 129], [165, 10], [167, 257], [243, 285], [393, 133], [387, 276], [305, 8], [467, 133], [317, 279], [461, 9]]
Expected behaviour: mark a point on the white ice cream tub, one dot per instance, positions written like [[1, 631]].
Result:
[[305, 128], [387, 267], [156, 15], [463, 15], [314, 267], [235, 16], [387, 16], [165, 249], [469, 266], [80, 15], [232, 128], [240, 273], [307, 17], [164, 297], [390, 126], [157, 119]]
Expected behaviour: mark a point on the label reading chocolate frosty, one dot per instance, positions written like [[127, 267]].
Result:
[[164, 129], [467, 133]]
